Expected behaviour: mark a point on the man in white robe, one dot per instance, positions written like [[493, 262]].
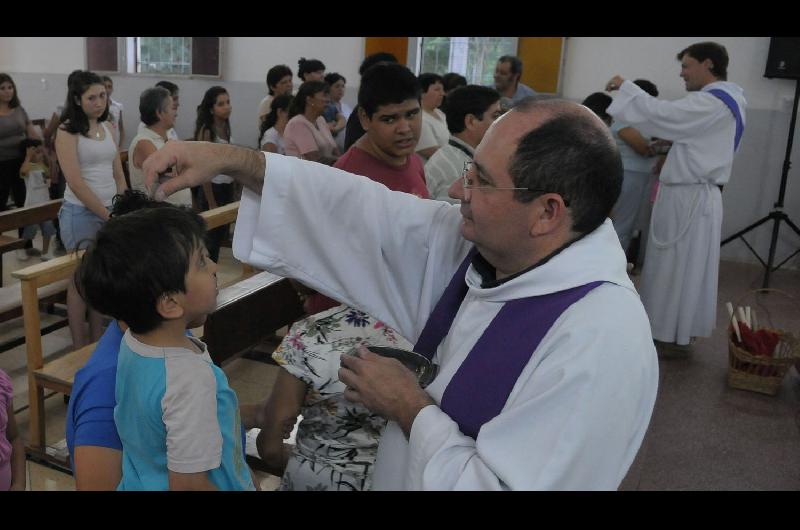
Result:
[[579, 408], [680, 274]]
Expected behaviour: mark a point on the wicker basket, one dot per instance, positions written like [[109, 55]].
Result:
[[758, 373]]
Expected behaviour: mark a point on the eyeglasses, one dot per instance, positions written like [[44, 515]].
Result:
[[471, 184]]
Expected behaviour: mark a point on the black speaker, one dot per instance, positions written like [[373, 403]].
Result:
[[784, 58]]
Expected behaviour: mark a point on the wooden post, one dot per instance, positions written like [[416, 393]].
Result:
[[33, 346]]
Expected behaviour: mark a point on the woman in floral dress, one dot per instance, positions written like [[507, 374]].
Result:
[[336, 440]]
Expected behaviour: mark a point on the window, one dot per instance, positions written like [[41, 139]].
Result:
[[472, 57], [161, 56]]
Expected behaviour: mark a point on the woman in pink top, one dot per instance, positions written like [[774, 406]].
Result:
[[307, 134]]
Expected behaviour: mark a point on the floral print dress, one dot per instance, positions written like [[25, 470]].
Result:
[[336, 440]]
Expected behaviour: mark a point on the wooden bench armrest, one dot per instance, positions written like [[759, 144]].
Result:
[[60, 374], [49, 271], [222, 215], [30, 215]]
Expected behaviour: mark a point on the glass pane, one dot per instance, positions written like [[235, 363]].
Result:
[[164, 55], [472, 57]]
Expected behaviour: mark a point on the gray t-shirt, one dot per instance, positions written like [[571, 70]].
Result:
[[12, 132]]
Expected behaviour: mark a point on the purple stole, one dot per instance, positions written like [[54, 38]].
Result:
[[481, 385], [729, 102]]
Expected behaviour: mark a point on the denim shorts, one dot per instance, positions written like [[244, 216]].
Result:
[[78, 225]]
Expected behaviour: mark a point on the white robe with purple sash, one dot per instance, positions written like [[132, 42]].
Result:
[[578, 413], [679, 279]]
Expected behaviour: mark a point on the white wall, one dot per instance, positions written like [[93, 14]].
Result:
[[40, 66], [249, 58], [754, 186], [55, 55], [591, 61]]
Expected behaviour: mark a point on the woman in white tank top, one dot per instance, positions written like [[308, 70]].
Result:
[[90, 162], [213, 125]]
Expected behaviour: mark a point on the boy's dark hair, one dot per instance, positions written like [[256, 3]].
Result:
[[647, 86], [428, 79], [371, 60], [386, 84], [169, 85], [470, 99], [26, 143], [138, 257], [333, 77], [598, 102], [453, 80]]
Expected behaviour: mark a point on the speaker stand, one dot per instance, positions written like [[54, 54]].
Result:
[[777, 215]]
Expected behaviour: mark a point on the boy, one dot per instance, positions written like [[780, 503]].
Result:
[[177, 418], [35, 172]]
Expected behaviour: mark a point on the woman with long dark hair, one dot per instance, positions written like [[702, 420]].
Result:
[[213, 125], [274, 125], [15, 126], [89, 159]]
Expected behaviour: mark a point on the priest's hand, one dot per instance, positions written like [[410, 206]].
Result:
[[384, 386], [195, 163], [614, 83]]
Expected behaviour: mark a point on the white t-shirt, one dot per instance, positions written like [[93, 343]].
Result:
[[434, 130], [115, 109], [171, 134], [272, 136]]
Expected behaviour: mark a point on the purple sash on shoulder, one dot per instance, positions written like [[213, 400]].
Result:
[[729, 102], [481, 385]]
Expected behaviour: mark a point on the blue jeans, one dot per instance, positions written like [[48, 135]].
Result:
[[78, 225]]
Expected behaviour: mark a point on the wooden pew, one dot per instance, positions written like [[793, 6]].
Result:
[[10, 297], [248, 312], [19, 218], [58, 375]]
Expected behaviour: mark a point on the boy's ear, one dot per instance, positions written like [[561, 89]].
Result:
[[169, 307]]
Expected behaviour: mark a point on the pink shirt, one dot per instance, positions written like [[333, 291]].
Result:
[[301, 137], [409, 178], [6, 393]]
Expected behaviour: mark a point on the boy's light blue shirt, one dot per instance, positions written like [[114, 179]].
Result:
[[175, 411]]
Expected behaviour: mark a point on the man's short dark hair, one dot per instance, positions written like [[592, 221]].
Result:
[[453, 80], [428, 79], [573, 155], [169, 85], [386, 84], [516, 64], [709, 50], [151, 102], [136, 259], [375, 58], [470, 99]]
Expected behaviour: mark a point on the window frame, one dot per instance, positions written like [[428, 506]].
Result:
[[126, 61]]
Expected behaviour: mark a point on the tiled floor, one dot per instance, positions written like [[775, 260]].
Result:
[[703, 434]]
